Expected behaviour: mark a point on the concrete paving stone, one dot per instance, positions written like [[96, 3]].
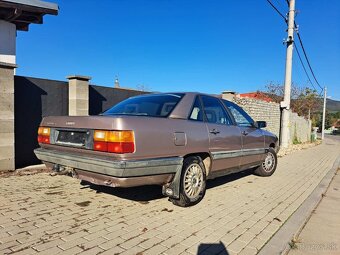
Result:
[[48, 245], [9, 245], [72, 243], [175, 250], [92, 243], [246, 237], [256, 243], [40, 231], [131, 234], [95, 235], [228, 238], [73, 236], [72, 251], [150, 233], [25, 252], [157, 249], [190, 241], [113, 235], [148, 243], [133, 251], [170, 242], [116, 227], [92, 251], [185, 253], [165, 235], [265, 235], [248, 251], [127, 244], [236, 246], [3, 235], [111, 243], [26, 241], [238, 231], [14, 237], [113, 250], [51, 251]]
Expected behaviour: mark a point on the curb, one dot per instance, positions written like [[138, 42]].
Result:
[[279, 242]]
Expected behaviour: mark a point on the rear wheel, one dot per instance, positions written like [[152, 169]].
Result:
[[268, 166], [193, 182]]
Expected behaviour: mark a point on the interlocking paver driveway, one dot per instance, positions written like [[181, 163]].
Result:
[[49, 215]]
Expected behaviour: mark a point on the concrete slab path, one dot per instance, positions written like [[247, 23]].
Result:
[[321, 234]]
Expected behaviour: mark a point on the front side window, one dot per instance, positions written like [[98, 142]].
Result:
[[152, 105], [241, 117], [214, 111]]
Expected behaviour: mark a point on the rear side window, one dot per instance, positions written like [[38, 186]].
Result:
[[214, 111], [153, 105], [241, 117], [196, 112]]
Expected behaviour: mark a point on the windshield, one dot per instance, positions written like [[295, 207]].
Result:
[[153, 105]]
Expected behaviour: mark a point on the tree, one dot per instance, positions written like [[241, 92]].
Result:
[[304, 101], [328, 122]]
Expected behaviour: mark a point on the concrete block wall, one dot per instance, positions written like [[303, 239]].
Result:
[[7, 142], [300, 128], [261, 110]]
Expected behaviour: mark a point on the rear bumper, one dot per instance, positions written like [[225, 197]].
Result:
[[105, 180], [113, 168]]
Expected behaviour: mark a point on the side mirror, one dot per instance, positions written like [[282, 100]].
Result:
[[260, 124]]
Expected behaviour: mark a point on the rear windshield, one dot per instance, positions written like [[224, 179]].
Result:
[[153, 105]]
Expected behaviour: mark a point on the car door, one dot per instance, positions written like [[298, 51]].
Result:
[[252, 137], [224, 137]]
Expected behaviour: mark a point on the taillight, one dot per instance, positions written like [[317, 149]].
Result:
[[114, 141], [44, 135]]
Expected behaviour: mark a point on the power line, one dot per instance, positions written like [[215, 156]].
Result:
[[304, 68], [279, 2], [303, 48], [272, 5], [304, 52]]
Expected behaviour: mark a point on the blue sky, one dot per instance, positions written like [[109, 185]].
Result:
[[181, 45]]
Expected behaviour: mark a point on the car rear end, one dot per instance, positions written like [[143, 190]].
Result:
[[118, 149]]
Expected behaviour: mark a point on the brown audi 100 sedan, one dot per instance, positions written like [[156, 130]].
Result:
[[177, 140]]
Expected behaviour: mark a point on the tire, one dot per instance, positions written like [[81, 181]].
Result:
[[269, 164], [192, 182]]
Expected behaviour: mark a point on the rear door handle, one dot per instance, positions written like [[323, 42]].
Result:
[[245, 133], [214, 131]]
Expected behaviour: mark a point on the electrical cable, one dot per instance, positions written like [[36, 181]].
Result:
[[304, 68], [303, 48], [272, 5], [305, 54]]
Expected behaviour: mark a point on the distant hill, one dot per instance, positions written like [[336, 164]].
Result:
[[333, 105]]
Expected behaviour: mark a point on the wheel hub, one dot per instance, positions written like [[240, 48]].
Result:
[[193, 180], [269, 162]]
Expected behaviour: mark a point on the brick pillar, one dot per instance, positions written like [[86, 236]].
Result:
[[7, 156], [78, 95]]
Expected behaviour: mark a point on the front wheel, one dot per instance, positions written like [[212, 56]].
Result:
[[268, 166], [193, 182]]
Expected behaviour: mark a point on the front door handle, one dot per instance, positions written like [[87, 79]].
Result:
[[214, 131], [245, 133]]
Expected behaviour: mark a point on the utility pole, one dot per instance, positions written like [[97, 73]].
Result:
[[285, 104], [324, 112]]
